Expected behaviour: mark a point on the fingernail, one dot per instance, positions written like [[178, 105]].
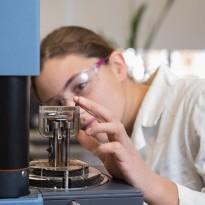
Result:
[[75, 98]]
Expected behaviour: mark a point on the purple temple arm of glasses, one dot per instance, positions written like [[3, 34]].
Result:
[[101, 62]]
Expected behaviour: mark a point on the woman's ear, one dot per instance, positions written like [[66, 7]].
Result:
[[118, 65]]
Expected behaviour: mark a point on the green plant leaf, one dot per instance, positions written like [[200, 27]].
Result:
[[135, 23]]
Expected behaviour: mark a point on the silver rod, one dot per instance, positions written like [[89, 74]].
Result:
[[66, 180]]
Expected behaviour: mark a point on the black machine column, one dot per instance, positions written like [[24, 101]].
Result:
[[14, 136]]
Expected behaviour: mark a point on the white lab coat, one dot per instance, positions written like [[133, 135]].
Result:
[[169, 132]]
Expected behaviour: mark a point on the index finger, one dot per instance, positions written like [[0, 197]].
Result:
[[94, 109]]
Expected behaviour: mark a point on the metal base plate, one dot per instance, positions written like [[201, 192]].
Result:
[[79, 175]]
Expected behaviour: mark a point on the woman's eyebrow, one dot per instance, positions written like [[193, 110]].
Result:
[[70, 80], [64, 87]]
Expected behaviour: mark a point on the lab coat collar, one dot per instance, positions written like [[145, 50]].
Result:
[[153, 104]]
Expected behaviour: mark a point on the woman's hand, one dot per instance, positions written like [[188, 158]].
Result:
[[119, 155]]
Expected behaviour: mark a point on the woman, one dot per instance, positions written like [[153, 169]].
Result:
[[164, 117]]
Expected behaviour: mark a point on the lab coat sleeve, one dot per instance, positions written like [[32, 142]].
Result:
[[189, 197], [186, 195]]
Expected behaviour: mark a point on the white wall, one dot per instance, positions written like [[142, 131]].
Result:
[[52, 15], [183, 27], [108, 17]]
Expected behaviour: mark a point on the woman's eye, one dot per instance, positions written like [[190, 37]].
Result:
[[80, 87]]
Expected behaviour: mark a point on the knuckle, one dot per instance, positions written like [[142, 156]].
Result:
[[111, 118], [116, 146], [97, 127]]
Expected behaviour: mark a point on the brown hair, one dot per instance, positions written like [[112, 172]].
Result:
[[74, 40]]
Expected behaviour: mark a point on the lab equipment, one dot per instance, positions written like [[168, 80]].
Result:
[[58, 179]]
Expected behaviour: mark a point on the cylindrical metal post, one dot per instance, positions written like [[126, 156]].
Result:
[[14, 136]]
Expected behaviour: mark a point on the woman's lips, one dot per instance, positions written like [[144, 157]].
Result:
[[88, 124]]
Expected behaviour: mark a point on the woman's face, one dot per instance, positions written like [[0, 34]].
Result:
[[62, 78]]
